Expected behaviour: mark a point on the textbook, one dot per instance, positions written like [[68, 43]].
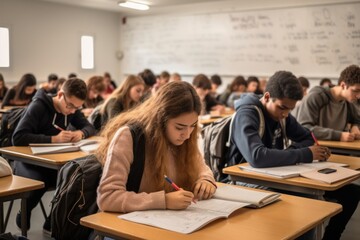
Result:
[[226, 200], [308, 170], [44, 148]]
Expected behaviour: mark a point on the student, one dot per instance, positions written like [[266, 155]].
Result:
[[175, 77], [50, 85], [253, 85], [3, 88], [171, 132], [326, 82], [161, 80], [41, 123], [233, 91], [123, 98], [150, 79], [110, 85], [202, 85], [22, 93], [305, 84], [327, 111], [215, 84], [95, 87], [283, 90]]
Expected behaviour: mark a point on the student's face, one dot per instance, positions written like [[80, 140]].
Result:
[[136, 92], [179, 129], [351, 93], [52, 84], [278, 108], [30, 90], [252, 86], [93, 93], [162, 81], [69, 104]]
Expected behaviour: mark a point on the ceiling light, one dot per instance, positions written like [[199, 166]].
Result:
[[133, 5]]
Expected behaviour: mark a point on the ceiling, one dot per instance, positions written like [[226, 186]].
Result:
[[156, 6]]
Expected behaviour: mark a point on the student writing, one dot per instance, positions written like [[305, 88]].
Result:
[[169, 120]]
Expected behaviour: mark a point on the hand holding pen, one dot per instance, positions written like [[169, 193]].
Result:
[[180, 199], [320, 153]]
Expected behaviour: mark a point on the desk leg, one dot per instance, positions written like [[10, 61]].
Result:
[[23, 217], [2, 227]]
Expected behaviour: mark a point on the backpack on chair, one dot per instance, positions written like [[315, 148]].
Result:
[[9, 121], [75, 194], [216, 137]]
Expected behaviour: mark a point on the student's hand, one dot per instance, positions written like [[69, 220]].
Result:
[[87, 111], [178, 200], [355, 130], [63, 136], [76, 136], [347, 137], [219, 108], [320, 153], [204, 190]]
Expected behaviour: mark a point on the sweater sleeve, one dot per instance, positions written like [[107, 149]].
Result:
[[112, 193], [81, 123], [248, 142]]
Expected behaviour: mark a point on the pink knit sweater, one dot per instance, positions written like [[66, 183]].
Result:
[[112, 194]]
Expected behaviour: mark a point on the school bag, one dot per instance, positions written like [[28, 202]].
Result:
[[75, 194], [216, 143], [9, 121]]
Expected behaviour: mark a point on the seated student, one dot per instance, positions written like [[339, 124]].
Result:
[[283, 90], [305, 84], [175, 77], [123, 98], [327, 111], [110, 85], [3, 88], [22, 93], [202, 85], [161, 80], [150, 79], [326, 82], [41, 123], [171, 132], [95, 87], [50, 85], [237, 88], [215, 84], [253, 85]]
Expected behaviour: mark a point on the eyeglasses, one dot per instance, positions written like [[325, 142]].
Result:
[[70, 105]]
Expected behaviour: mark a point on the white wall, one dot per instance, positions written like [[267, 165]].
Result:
[[45, 38]]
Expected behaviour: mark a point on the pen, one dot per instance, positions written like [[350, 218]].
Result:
[[315, 140], [176, 187], [58, 128]]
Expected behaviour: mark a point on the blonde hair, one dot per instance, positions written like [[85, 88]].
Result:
[[122, 93], [169, 102]]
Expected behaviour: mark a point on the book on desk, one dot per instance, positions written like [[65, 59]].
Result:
[[86, 145], [308, 170], [226, 200]]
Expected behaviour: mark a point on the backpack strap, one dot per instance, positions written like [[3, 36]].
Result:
[[227, 144], [137, 167]]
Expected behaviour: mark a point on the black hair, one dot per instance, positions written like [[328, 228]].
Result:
[[148, 76], [27, 80], [216, 79], [324, 81], [304, 82], [75, 87], [202, 81], [52, 77], [350, 75], [284, 84]]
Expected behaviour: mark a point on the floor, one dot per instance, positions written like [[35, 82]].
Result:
[[37, 220]]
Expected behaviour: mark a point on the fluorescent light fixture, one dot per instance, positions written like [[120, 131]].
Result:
[[87, 52], [133, 5], [4, 47]]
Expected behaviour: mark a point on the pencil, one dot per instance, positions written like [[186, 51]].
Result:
[[58, 128], [315, 140], [176, 187]]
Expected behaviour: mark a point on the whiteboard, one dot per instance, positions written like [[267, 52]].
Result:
[[316, 41]]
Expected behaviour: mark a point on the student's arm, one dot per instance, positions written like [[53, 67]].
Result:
[[79, 121], [300, 136], [112, 193], [28, 129], [205, 185], [308, 116], [247, 140]]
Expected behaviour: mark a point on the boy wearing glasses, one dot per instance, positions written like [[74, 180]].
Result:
[[46, 120]]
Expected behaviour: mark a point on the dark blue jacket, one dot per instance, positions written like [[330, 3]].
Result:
[[268, 151], [36, 126]]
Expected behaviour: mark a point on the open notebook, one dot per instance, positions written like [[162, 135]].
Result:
[[226, 200], [88, 145], [308, 170]]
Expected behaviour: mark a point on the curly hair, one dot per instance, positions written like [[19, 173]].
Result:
[[350, 75], [284, 84]]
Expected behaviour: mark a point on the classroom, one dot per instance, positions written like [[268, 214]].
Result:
[[315, 39]]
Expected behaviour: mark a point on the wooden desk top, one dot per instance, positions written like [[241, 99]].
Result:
[[354, 163], [269, 223], [10, 185], [337, 144]]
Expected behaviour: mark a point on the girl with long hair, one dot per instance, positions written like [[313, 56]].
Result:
[[169, 121]]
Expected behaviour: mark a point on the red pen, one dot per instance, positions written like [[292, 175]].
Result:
[[315, 140], [58, 128], [176, 187]]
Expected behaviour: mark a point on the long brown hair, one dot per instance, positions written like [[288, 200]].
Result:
[[172, 100], [122, 93]]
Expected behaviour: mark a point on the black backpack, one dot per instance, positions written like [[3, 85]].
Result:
[[216, 142], [9, 121], [75, 195]]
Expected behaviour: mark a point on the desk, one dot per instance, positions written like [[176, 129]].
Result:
[[350, 148], [14, 187], [52, 161], [270, 223]]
